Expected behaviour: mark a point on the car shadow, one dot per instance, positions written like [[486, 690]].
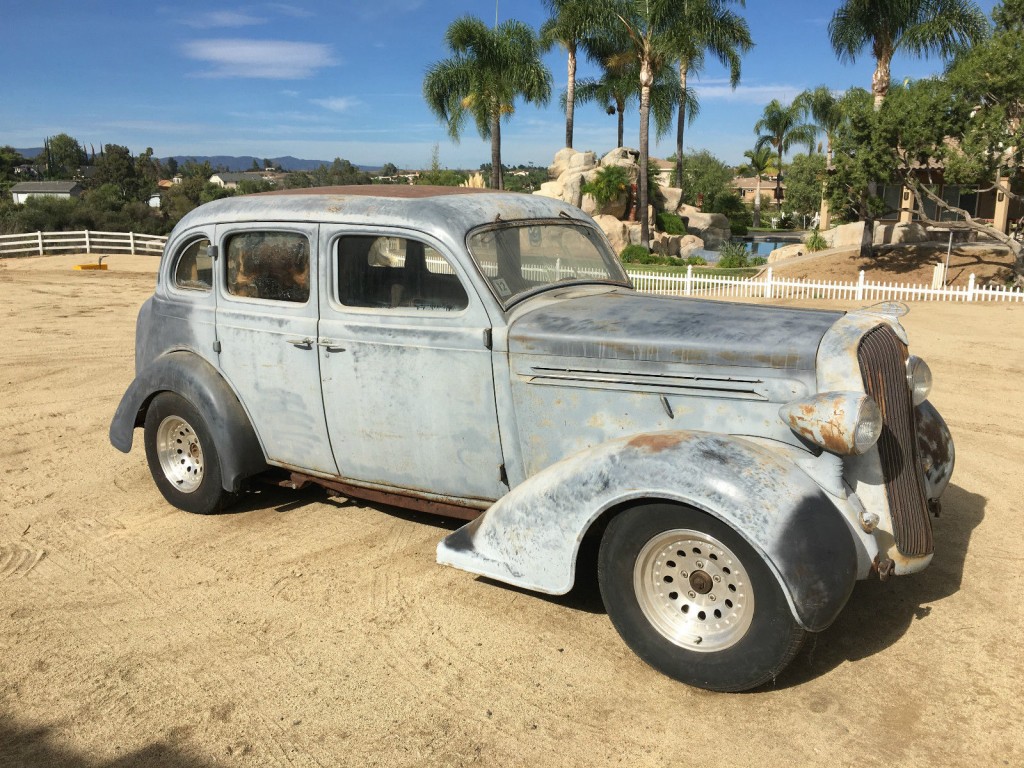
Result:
[[37, 747], [879, 613]]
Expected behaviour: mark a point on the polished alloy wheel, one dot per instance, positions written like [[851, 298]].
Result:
[[180, 453], [693, 590]]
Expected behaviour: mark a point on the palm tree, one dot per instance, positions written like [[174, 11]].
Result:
[[920, 27], [572, 24], [822, 106], [619, 87], [700, 27], [760, 163], [489, 70], [780, 128]]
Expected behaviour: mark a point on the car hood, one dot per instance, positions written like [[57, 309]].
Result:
[[661, 329]]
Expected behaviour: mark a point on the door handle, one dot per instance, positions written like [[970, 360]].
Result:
[[330, 346], [307, 343]]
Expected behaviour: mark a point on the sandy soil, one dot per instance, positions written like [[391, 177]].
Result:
[[913, 264], [301, 630]]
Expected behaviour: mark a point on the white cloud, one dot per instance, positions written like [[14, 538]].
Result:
[[747, 94], [337, 103], [272, 59], [287, 9], [223, 19]]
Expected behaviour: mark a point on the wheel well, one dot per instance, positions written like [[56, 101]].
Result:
[[586, 556]]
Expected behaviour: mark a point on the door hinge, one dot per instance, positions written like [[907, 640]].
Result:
[[502, 475], [216, 347], [211, 251], [488, 338]]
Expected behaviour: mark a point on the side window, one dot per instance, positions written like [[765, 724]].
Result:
[[394, 272], [268, 265], [194, 268]]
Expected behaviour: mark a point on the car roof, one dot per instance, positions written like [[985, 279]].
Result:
[[446, 212]]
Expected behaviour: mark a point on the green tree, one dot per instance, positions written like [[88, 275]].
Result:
[[700, 27], [117, 167], [804, 178], [9, 160], [388, 169], [918, 27], [489, 70], [760, 163], [63, 156], [780, 127], [438, 176], [572, 24], [705, 177]]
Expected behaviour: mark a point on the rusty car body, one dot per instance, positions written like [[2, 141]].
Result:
[[483, 355]]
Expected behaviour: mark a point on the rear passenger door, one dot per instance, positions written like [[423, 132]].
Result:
[[267, 319], [407, 376]]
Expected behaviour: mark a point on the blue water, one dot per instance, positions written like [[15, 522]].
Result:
[[764, 247]]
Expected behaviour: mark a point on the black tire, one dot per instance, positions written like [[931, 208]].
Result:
[[694, 600], [182, 456]]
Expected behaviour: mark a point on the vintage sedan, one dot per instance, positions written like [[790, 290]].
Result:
[[483, 355]]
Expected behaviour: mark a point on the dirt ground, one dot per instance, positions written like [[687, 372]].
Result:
[[913, 264], [306, 631]]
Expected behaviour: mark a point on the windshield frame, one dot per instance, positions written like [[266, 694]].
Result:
[[592, 233]]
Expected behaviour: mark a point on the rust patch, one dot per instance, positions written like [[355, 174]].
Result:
[[655, 443]]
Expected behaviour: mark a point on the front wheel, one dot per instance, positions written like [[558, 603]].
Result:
[[182, 456], [694, 600]]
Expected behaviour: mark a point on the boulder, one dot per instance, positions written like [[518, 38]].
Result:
[[623, 156], [550, 189], [668, 199], [561, 162], [853, 235], [572, 187], [614, 230], [688, 244], [911, 232], [582, 161], [787, 252], [712, 228]]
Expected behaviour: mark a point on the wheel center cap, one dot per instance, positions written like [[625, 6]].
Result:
[[700, 582]]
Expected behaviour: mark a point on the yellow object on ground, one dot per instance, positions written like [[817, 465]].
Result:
[[90, 266]]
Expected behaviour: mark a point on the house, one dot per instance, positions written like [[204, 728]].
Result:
[[746, 187], [231, 180], [22, 191]]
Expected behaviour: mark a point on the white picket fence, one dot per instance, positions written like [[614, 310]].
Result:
[[81, 241], [693, 283], [768, 286]]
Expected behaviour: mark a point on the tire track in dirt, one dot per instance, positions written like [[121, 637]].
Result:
[[18, 560]]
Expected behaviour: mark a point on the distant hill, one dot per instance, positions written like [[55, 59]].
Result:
[[231, 162]]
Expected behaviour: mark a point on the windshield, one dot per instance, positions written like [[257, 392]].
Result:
[[520, 258]]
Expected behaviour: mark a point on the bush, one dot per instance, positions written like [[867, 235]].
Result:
[[815, 241], [671, 223], [758, 261], [734, 256], [634, 254], [695, 261], [737, 228], [609, 182]]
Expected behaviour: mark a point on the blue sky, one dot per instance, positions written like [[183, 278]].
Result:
[[318, 79]]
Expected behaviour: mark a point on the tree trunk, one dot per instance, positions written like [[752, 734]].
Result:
[[681, 125], [880, 80], [496, 180], [757, 202], [778, 184], [620, 107], [646, 80], [570, 96]]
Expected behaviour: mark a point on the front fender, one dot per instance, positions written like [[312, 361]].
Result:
[[530, 537], [188, 375]]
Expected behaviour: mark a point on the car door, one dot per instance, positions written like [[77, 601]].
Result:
[[267, 330], [406, 366]]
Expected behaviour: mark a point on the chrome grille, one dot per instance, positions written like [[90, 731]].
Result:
[[883, 365]]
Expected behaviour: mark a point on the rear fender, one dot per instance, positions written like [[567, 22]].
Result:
[[530, 538], [194, 379]]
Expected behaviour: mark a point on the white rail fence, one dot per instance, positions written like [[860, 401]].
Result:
[[81, 241], [769, 286], [693, 283]]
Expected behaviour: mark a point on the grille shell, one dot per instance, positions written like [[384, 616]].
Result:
[[883, 365]]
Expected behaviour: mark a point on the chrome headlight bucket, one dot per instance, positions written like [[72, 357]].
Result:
[[919, 379], [843, 423]]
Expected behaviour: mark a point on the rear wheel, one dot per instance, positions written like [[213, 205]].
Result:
[[694, 600], [182, 456]]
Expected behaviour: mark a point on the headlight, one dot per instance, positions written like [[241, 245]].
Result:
[[919, 378], [843, 423]]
